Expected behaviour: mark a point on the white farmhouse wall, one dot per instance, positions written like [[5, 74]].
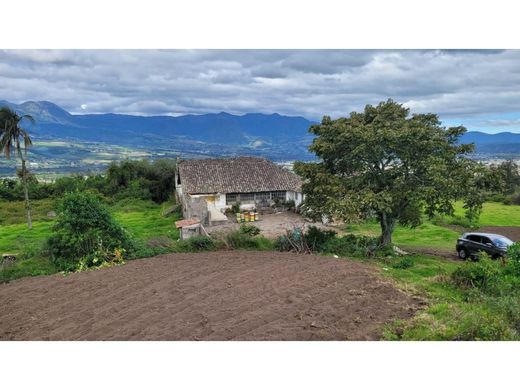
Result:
[[296, 196], [220, 201]]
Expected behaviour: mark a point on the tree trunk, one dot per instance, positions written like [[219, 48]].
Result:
[[26, 194], [387, 228]]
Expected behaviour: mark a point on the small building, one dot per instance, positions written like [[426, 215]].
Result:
[[206, 188], [188, 228]]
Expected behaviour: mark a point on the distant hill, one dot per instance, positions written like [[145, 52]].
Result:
[[254, 131], [274, 136]]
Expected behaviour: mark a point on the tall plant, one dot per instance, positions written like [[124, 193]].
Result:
[[12, 136]]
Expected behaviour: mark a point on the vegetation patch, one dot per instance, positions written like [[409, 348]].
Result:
[[85, 234]]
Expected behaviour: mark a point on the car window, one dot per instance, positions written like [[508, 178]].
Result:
[[503, 242], [486, 240], [474, 238]]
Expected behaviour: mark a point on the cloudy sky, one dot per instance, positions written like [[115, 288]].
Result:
[[480, 89]]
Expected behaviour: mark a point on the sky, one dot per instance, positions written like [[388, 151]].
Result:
[[479, 89]]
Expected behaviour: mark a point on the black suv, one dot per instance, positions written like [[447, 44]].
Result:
[[470, 244]]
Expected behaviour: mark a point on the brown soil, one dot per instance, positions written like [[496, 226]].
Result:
[[446, 253], [511, 232], [211, 296]]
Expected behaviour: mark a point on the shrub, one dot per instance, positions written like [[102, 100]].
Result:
[[250, 230], [240, 240], [85, 234], [404, 263], [196, 244], [351, 245], [235, 208], [316, 238], [482, 274], [513, 199]]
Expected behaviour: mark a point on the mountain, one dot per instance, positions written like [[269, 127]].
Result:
[[504, 144], [273, 136], [249, 130]]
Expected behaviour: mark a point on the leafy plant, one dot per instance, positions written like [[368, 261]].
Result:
[[351, 245], [235, 208], [84, 231], [196, 244], [481, 274], [404, 263], [316, 238], [250, 230]]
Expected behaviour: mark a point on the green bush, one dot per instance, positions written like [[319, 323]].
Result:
[[316, 238], [351, 245], [482, 274], [513, 199], [235, 208], [404, 263], [238, 239], [250, 230], [459, 220], [196, 244], [85, 234]]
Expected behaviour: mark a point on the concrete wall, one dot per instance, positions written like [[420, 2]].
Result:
[[194, 207], [296, 196]]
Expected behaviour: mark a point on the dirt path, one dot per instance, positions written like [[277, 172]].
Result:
[[212, 296], [446, 253]]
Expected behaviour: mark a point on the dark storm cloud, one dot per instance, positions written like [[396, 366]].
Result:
[[311, 83]]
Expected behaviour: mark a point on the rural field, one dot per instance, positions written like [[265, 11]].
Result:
[[143, 220], [225, 295], [230, 295]]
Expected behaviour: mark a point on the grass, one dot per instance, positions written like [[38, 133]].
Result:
[[429, 235], [426, 235], [144, 221], [495, 214], [450, 315], [14, 212]]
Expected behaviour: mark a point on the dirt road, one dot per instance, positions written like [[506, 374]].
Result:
[[228, 295]]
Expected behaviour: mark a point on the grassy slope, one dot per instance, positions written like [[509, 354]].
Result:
[[433, 236], [143, 220], [449, 315], [425, 235], [495, 214]]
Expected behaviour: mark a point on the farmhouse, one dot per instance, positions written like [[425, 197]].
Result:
[[206, 188]]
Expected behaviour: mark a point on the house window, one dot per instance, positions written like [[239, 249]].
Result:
[[254, 197], [231, 198], [262, 196], [247, 197], [280, 195]]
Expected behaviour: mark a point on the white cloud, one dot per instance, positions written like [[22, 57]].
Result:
[[311, 83]]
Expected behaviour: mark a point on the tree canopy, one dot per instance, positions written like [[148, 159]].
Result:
[[385, 163]]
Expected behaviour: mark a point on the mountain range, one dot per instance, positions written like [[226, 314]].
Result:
[[274, 136]]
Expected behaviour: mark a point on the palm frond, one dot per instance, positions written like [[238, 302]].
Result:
[[12, 132]]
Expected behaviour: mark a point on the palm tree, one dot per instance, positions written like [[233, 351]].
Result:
[[11, 136]]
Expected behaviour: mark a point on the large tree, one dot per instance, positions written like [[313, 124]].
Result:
[[12, 136], [385, 163]]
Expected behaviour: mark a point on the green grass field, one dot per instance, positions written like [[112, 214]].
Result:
[[495, 214], [142, 219], [429, 235], [426, 235]]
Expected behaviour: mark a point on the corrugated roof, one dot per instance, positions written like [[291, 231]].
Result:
[[240, 174]]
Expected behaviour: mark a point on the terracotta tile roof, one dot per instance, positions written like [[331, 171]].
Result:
[[240, 174], [186, 222]]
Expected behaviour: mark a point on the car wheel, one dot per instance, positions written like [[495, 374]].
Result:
[[463, 254]]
